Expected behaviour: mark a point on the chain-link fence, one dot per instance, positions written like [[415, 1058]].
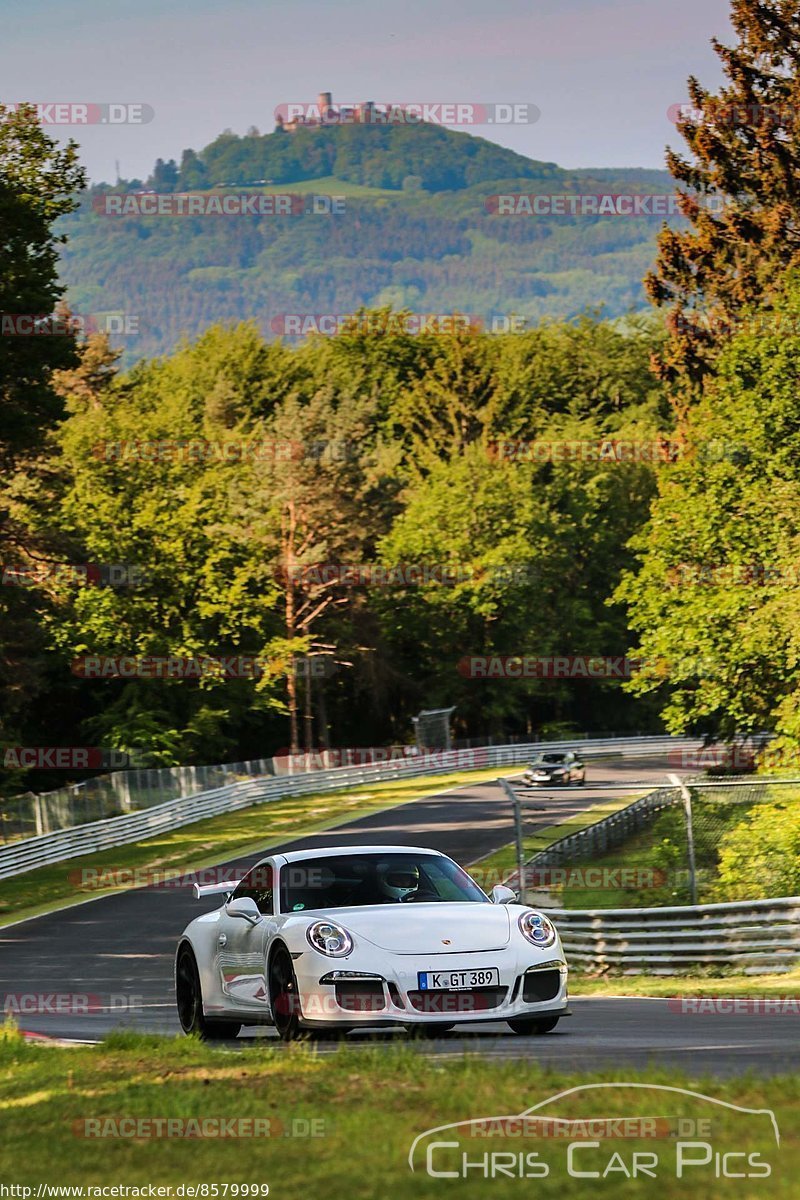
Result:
[[695, 842], [31, 815]]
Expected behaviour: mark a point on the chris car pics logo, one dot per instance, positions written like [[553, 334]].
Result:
[[608, 1131]]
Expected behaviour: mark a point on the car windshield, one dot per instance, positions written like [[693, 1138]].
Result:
[[549, 759], [353, 880]]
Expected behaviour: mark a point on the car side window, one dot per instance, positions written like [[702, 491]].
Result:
[[257, 884]]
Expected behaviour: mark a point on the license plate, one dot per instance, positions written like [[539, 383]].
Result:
[[457, 981]]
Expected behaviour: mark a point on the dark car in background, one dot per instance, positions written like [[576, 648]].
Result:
[[558, 768]]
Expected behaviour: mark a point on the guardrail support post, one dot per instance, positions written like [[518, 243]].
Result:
[[687, 808], [514, 798]]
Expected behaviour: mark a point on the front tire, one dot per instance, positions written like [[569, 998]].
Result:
[[284, 997], [533, 1025], [189, 996]]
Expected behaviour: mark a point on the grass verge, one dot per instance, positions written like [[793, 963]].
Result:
[[216, 840], [698, 983], [503, 862], [363, 1109]]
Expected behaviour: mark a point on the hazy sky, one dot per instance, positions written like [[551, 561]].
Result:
[[602, 72]]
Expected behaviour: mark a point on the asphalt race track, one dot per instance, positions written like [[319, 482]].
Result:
[[118, 950]]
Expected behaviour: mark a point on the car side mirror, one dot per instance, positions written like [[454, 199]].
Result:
[[503, 895], [245, 907]]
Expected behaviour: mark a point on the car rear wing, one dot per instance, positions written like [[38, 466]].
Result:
[[214, 889]]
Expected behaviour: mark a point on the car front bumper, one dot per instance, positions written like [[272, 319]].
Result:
[[530, 985]]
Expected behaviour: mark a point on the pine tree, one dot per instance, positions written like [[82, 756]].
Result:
[[743, 202], [85, 385], [38, 184]]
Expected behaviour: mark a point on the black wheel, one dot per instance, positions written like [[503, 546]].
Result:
[[582, 781], [190, 1003], [283, 996], [428, 1031], [533, 1025]]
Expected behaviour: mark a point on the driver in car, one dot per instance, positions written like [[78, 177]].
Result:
[[396, 884]]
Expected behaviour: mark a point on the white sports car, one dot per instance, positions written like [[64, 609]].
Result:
[[333, 939]]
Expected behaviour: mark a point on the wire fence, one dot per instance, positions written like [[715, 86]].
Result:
[[32, 814], [700, 841]]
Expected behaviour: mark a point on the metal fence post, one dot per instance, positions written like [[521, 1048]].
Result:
[[687, 809], [514, 798]]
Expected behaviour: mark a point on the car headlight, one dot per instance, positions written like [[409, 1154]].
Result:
[[538, 930], [329, 939]]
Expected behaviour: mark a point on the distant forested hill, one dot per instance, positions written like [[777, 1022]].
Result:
[[416, 233]]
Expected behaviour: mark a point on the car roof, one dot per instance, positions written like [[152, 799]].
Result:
[[332, 851]]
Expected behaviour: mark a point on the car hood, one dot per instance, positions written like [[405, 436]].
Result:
[[438, 928], [547, 768]]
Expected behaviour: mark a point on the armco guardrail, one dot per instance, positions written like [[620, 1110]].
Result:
[[64, 844], [753, 935], [607, 833]]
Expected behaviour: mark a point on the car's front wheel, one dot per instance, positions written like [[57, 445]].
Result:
[[533, 1025], [189, 997], [284, 997]]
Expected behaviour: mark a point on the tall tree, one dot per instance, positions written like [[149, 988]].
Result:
[[743, 197], [38, 181], [716, 599]]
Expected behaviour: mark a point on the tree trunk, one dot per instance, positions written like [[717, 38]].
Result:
[[289, 524]]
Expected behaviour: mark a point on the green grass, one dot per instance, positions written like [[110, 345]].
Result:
[[637, 854], [702, 982], [366, 1108], [659, 854], [206, 843], [503, 862], [327, 185]]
